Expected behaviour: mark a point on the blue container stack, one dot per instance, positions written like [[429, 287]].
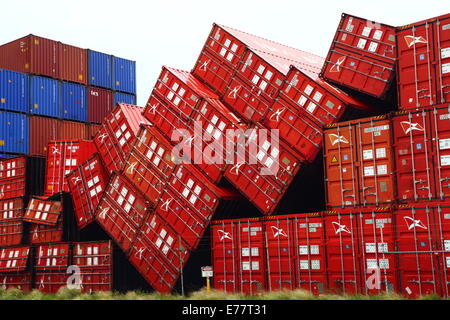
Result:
[[24, 95]]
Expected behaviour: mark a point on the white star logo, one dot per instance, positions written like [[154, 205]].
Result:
[[411, 40], [153, 108], [236, 168], [204, 66], [132, 168], [414, 224], [337, 67], [224, 235], [165, 205], [102, 214], [278, 232], [338, 228], [102, 137], [276, 115], [139, 253], [55, 150], [76, 179]]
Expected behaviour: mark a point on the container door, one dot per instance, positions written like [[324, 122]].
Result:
[[340, 166], [442, 40], [442, 222]]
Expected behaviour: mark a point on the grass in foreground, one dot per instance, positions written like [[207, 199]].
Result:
[[68, 294]]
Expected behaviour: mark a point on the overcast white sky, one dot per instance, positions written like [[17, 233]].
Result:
[[172, 32]]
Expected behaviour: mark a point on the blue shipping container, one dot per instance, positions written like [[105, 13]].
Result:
[[100, 69], [74, 101], [45, 97], [14, 132], [14, 91], [124, 75], [120, 97]]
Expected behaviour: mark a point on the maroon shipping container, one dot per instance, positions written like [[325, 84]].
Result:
[[116, 138], [14, 259], [423, 73], [73, 64], [238, 256], [43, 211], [121, 211], [73, 130], [43, 233], [31, 54], [42, 130], [63, 156], [359, 163], [17, 280], [159, 254], [362, 56], [51, 264], [87, 184], [150, 163], [11, 232], [11, 209], [100, 104], [95, 261], [266, 172]]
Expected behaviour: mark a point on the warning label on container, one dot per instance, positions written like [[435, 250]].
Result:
[[445, 160], [369, 171], [445, 53], [367, 154], [381, 153], [334, 159], [444, 144], [446, 68], [382, 169]]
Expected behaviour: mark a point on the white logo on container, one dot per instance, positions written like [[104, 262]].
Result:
[[409, 126], [334, 138], [276, 115], [224, 235], [414, 224], [337, 67], [278, 232], [339, 228]]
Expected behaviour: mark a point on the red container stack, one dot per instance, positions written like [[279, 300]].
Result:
[[15, 268]]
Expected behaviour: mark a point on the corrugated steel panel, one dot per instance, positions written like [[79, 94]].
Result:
[[45, 97], [14, 259], [100, 104], [120, 97], [100, 69], [74, 130], [64, 156], [31, 54], [87, 184], [95, 254], [43, 211], [52, 257], [14, 91], [41, 233], [11, 209], [93, 130], [14, 132], [124, 75], [21, 281], [72, 63], [43, 130], [74, 102], [11, 232]]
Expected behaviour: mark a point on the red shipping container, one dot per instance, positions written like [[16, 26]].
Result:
[[116, 138], [159, 254], [419, 260], [100, 104], [31, 54], [11, 232], [73, 63], [362, 56], [16, 280], [87, 184], [423, 63], [11, 209], [42, 130], [121, 211], [359, 163], [213, 71], [95, 262], [64, 156], [51, 265], [304, 105], [93, 129], [376, 237], [42, 233], [266, 172], [189, 202], [14, 259], [71, 130], [175, 100], [150, 163], [343, 254], [442, 222], [238, 256], [43, 211]]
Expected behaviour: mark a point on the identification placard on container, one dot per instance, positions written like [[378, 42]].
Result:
[[207, 272]]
